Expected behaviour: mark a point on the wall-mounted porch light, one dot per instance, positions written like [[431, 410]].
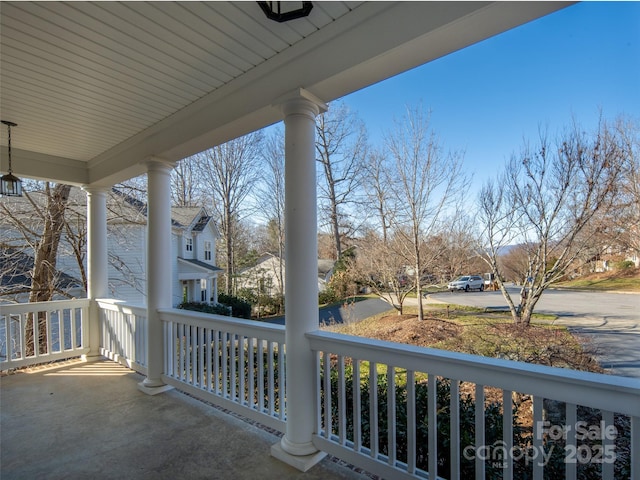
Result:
[[10, 185], [289, 11]]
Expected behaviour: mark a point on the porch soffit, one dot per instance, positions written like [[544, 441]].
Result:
[[98, 87]]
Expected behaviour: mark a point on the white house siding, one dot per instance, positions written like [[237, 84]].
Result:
[[176, 289], [127, 247], [267, 271], [127, 262], [199, 241], [66, 261]]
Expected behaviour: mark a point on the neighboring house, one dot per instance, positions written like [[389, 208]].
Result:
[[263, 277], [194, 236], [325, 270], [16, 267], [194, 243]]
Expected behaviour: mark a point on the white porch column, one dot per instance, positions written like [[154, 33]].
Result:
[[97, 261], [301, 263], [158, 269]]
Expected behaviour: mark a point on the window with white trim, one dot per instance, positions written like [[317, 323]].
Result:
[[188, 246], [207, 250], [203, 290]]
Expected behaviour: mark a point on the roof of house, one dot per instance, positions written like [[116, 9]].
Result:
[[201, 223], [16, 267], [183, 217], [324, 265], [201, 264], [122, 208]]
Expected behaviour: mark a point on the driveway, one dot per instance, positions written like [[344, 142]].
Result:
[[610, 322]]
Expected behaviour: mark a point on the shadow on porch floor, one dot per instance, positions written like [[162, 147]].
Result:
[[89, 420]]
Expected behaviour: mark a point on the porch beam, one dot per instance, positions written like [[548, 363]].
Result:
[[301, 263]]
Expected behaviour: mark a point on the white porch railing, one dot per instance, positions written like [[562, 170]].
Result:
[[396, 410], [409, 412], [123, 333], [33, 333], [237, 364]]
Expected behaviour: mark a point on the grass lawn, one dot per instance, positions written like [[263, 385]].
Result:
[[471, 330], [627, 280]]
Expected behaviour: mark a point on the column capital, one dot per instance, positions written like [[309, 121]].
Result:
[[301, 102], [96, 189], [158, 164]]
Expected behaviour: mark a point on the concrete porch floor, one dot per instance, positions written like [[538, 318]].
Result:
[[89, 420]]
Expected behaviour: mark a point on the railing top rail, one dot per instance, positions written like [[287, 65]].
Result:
[[121, 306], [609, 392], [15, 308], [241, 326]]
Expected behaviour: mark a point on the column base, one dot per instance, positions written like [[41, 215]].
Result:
[[153, 389], [300, 462], [92, 357]]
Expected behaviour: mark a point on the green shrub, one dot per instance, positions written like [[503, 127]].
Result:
[[239, 308], [270, 304], [327, 296], [624, 265], [493, 424], [493, 421], [205, 308]]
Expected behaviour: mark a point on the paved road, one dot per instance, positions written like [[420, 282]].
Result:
[[351, 313], [610, 321]]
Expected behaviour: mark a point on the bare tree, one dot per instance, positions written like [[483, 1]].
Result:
[[134, 188], [341, 147], [186, 190], [381, 268], [451, 250], [544, 201], [428, 182], [41, 234], [46, 251], [377, 183], [230, 172], [627, 212], [32, 232], [272, 194]]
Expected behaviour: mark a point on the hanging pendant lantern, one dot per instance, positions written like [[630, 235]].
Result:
[[285, 11], [10, 185]]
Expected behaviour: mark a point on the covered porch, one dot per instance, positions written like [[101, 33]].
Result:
[[94, 110], [88, 420], [393, 410]]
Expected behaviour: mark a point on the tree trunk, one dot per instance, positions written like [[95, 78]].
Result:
[[43, 278], [229, 252], [418, 268]]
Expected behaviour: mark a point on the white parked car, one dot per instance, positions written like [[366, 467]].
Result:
[[466, 283]]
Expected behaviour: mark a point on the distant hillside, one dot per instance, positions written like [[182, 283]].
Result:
[[507, 249]]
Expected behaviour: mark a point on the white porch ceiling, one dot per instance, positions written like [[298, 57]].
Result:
[[96, 88]]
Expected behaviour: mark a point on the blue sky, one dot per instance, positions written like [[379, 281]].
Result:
[[487, 98]]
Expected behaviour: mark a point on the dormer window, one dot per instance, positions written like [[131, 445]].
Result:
[[207, 250], [189, 245]]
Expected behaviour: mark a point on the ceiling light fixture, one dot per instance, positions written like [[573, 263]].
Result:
[[10, 185], [274, 10]]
